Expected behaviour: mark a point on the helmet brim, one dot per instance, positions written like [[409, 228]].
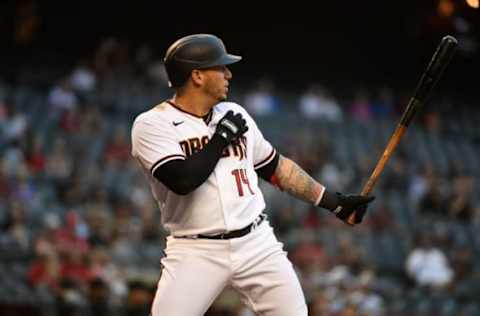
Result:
[[226, 59], [229, 59]]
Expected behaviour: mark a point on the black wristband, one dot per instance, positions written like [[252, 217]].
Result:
[[329, 201]]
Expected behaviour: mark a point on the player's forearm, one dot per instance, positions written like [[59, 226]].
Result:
[[293, 179]]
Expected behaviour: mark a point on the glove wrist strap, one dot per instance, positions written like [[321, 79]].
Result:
[[222, 136], [329, 201]]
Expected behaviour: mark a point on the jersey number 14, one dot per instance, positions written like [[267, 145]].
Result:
[[241, 180]]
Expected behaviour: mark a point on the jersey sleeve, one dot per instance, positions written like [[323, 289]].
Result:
[[155, 144], [263, 151]]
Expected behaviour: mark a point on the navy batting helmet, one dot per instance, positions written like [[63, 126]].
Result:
[[198, 51]]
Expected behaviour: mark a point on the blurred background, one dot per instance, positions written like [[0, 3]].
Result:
[[79, 231]]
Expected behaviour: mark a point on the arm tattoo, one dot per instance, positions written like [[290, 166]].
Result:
[[297, 182]]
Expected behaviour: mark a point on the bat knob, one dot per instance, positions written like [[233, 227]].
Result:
[[450, 39]]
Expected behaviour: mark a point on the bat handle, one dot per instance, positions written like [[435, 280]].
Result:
[[368, 187]]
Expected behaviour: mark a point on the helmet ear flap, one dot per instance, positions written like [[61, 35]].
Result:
[[176, 72]]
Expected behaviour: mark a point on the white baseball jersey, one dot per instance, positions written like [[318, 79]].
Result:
[[230, 198]]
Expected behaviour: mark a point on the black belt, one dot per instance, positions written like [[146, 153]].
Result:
[[237, 233]]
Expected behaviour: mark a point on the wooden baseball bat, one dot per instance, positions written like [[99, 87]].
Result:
[[430, 77]]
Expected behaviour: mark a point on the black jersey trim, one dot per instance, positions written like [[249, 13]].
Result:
[[164, 160], [266, 160], [267, 171]]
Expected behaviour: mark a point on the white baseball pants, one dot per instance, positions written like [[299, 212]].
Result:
[[195, 272]]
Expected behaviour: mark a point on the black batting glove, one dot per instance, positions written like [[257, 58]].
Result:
[[231, 126], [344, 205]]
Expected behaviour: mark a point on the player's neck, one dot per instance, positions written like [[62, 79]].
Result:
[[198, 105]]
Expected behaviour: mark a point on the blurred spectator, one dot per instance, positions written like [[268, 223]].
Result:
[[463, 259], [151, 228], [383, 106], [99, 222], [15, 226], [434, 202], [13, 161], [3, 109], [262, 100], [70, 121], [75, 269], [14, 126], [4, 182], [24, 189], [381, 218], [35, 156], [361, 107], [142, 60], [373, 304], [59, 165], [319, 305], [83, 79], [62, 97], [92, 121], [427, 265], [419, 185], [89, 181], [104, 269], [432, 121], [349, 256], [72, 299], [310, 259], [461, 199], [139, 299], [72, 195], [124, 245], [73, 236], [312, 220], [119, 148], [139, 197], [45, 241], [362, 296], [157, 73], [45, 272], [308, 254], [283, 220], [90, 128], [317, 102], [349, 310], [98, 298], [397, 179], [104, 57], [332, 177]]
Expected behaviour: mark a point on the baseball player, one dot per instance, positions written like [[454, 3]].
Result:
[[203, 157]]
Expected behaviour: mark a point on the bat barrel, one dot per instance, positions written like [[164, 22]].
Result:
[[440, 60], [442, 57], [438, 63]]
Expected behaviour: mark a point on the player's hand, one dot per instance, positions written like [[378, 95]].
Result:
[[347, 204], [231, 126]]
